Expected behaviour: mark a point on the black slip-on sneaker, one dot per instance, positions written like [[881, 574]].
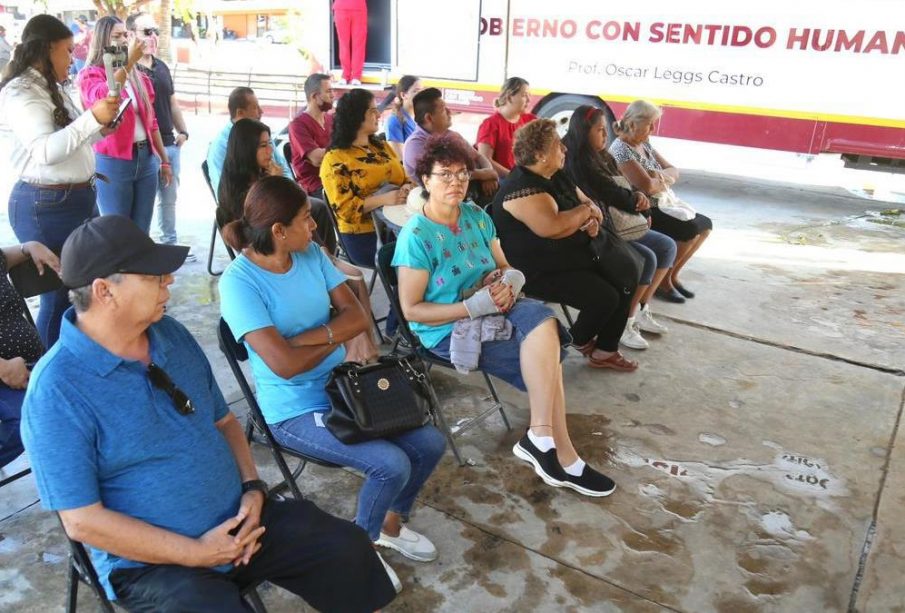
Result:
[[546, 465], [590, 483]]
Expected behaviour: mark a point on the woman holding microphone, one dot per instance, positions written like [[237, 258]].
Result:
[[50, 139], [132, 157]]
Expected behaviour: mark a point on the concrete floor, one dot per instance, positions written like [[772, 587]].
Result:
[[755, 450]]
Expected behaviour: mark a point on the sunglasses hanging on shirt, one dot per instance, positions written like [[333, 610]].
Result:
[[161, 380]]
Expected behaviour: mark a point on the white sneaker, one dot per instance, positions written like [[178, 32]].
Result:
[[342, 82], [394, 578], [631, 338], [355, 83], [647, 323], [410, 544]]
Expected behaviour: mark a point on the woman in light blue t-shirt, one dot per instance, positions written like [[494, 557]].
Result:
[[277, 297], [452, 248]]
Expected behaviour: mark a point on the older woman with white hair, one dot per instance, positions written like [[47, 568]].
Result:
[[649, 172]]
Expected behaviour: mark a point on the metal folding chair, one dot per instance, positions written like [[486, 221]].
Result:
[[81, 570], [391, 285], [215, 230], [236, 353], [343, 253]]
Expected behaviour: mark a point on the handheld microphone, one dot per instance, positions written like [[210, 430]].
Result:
[[114, 57]]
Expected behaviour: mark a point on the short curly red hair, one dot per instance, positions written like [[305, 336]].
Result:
[[443, 149]]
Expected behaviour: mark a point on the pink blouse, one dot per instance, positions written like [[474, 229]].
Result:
[[93, 87]]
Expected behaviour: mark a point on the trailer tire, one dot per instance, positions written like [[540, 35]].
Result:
[[559, 108]]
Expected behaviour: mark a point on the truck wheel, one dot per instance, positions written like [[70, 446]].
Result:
[[560, 109]]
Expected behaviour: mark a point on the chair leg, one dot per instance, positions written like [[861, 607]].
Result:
[[210, 253], [496, 399], [72, 595], [289, 477], [16, 477], [438, 415]]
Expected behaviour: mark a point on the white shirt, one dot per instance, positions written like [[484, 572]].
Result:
[[40, 151]]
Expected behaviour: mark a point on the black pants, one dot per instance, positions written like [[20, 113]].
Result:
[[328, 561], [603, 309]]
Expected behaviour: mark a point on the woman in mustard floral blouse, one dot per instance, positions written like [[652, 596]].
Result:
[[360, 173]]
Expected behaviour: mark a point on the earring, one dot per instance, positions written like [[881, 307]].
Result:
[[283, 237]]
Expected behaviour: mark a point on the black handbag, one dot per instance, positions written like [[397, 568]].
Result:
[[376, 400], [617, 261]]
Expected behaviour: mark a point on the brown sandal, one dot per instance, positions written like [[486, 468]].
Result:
[[617, 361]]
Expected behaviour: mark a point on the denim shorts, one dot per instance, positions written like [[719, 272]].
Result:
[[502, 358]]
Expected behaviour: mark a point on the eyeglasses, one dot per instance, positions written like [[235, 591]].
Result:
[[463, 176], [150, 31], [161, 380]]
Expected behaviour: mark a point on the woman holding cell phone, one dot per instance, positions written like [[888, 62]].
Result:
[[50, 140], [133, 156]]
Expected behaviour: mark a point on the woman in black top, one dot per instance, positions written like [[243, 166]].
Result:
[[546, 226], [20, 345]]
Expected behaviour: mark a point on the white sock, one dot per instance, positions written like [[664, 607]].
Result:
[[575, 469], [543, 443]]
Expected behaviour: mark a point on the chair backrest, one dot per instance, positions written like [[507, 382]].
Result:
[[235, 352], [339, 237], [207, 179], [287, 155], [205, 170], [27, 282], [390, 283]]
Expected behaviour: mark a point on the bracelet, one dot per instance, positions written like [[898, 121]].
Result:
[[23, 250], [330, 340], [165, 165]]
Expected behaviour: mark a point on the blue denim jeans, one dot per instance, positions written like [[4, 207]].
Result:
[[49, 216], [658, 251], [131, 186], [166, 200], [502, 359], [395, 468], [10, 415]]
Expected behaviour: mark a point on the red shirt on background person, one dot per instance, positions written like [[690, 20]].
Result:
[[309, 132], [497, 133]]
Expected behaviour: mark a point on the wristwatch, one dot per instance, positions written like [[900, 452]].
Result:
[[185, 134], [255, 485]]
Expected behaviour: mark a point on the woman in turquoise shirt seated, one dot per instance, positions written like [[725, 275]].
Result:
[[277, 298], [443, 254]]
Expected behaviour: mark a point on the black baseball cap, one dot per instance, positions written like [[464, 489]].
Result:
[[111, 244]]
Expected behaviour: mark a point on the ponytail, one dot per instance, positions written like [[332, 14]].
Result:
[[235, 235]]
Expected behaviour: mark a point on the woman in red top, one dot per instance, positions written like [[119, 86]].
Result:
[[130, 158], [496, 134], [351, 20]]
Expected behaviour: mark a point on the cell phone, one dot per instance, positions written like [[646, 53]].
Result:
[[122, 109]]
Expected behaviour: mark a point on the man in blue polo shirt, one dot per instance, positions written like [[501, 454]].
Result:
[[132, 443]]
